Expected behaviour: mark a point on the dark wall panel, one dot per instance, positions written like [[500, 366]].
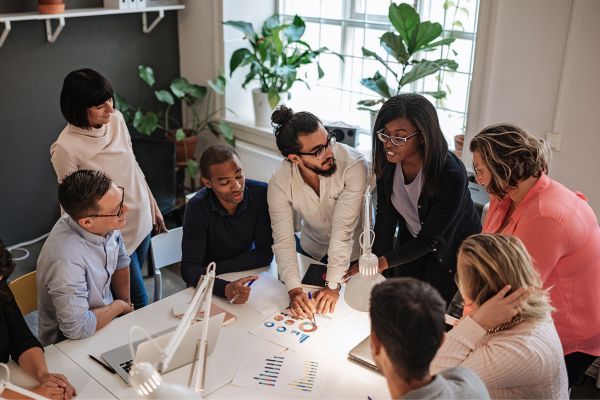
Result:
[[31, 75]]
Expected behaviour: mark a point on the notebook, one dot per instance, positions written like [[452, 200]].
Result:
[[361, 354]]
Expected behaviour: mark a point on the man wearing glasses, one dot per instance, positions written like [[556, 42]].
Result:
[[82, 259], [322, 183]]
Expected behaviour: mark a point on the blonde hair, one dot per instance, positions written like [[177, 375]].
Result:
[[511, 154], [489, 262]]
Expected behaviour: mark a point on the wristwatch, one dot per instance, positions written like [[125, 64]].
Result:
[[331, 285]]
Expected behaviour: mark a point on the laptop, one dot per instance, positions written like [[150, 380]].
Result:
[[120, 358], [361, 354]]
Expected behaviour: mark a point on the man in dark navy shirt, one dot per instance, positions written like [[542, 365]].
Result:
[[226, 222]]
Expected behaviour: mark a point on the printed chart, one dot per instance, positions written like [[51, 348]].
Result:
[[288, 373]]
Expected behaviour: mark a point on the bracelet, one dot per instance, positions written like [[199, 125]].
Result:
[[338, 287]]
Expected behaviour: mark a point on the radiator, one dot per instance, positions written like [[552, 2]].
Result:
[[258, 162]]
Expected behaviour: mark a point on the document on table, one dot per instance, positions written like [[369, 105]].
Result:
[[268, 295], [284, 373]]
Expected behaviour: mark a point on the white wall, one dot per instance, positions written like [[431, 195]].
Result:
[[536, 65]]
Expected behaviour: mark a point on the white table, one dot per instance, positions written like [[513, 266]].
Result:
[[58, 362], [345, 379]]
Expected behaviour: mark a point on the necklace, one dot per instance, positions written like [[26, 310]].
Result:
[[517, 319]]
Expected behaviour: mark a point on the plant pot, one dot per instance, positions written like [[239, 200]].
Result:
[[184, 150], [51, 6], [459, 142], [262, 108]]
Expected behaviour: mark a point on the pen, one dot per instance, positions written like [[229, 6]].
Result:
[[314, 321], [238, 294], [106, 367]]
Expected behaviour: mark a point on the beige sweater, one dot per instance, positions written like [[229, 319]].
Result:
[[108, 149], [525, 361]]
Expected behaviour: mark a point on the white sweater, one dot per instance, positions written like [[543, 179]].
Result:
[[525, 361]]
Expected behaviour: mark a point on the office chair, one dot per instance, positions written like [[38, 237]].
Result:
[[24, 289], [165, 249]]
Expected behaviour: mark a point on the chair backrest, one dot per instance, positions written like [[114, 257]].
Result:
[[165, 249], [24, 289]]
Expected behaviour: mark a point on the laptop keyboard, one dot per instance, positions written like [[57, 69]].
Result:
[[126, 365]]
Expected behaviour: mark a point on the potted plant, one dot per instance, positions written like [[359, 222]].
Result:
[[274, 58], [404, 45], [200, 115]]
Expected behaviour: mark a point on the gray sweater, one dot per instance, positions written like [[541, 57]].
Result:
[[452, 383]]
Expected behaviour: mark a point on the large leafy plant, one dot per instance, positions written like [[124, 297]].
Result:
[[200, 116], [404, 45], [275, 55]]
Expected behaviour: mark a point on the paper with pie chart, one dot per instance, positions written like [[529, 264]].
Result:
[[294, 333]]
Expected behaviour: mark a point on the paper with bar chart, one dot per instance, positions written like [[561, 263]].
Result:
[[287, 372]]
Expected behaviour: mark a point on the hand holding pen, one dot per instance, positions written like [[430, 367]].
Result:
[[238, 291], [314, 319]]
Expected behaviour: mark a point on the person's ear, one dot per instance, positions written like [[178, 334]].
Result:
[[294, 158], [375, 344], [206, 182], [86, 222]]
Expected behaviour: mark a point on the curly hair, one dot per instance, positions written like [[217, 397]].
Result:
[[511, 154], [288, 125]]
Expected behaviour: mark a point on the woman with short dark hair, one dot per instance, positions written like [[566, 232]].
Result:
[[422, 193], [558, 227], [96, 138], [18, 343]]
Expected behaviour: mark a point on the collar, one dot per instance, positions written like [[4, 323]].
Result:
[[217, 207], [90, 237], [92, 132]]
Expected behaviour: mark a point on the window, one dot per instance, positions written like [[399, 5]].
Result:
[[344, 26]]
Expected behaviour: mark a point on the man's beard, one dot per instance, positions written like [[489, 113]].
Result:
[[324, 172]]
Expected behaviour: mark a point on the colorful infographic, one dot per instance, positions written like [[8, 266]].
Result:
[[282, 373]]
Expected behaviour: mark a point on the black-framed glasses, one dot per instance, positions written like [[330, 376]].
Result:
[[119, 211], [320, 152], [396, 140]]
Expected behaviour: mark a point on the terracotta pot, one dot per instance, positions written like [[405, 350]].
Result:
[[51, 6], [459, 142], [185, 149]]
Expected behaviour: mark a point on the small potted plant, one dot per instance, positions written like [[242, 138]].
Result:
[[200, 115], [404, 45], [274, 58]]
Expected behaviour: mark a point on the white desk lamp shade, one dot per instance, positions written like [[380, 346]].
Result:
[[358, 288]]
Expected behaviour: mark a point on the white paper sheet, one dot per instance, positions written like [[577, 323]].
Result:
[[268, 295], [284, 373]]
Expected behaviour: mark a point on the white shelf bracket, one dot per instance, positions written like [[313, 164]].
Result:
[[51, 36], [5, 32], [148, 29]]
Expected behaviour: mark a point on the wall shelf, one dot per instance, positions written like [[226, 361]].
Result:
[[51, 34]]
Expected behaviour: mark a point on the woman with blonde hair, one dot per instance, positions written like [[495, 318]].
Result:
[[508, 338], [557, 226]]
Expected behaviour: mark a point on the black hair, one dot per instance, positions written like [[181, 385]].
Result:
[[80, 191], [7, 266], [216, 154], [83, 88], [421, 113], [288, 125], [407, 315]]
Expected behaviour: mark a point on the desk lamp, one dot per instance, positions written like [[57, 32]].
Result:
[[358, 288], [5, 384], [145, 377]]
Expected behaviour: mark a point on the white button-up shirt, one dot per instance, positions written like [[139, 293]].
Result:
[[330, 221]]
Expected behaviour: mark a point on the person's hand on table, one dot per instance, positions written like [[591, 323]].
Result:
[[326, 299], [238, 288], [382, 265], [55, 386], [300, 304], [126, 307], [500, 308]]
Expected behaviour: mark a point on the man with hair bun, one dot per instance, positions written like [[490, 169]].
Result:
[[321, 183], [82, 259]]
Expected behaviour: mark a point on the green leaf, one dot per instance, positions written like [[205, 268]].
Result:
[[191, 167], [394, 46], [147, 74], [420, 70], [320, 71], [368, 103], [218, 84], [270, 23], [273, 97], [145, 123], [238, 58], [227, 132], [442, 42], [164, 97], [245, 27], [378, 84], [448, 4], [295, 31], [405, 19], [121, 104], [179, 135], [180, 87], [196, 92], [438, 95], [426, 32], [254, 69], [458, 25], [369, 53], [450, 64], [465, 11]]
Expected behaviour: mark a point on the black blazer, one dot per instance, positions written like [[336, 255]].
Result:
[[447, 218]]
